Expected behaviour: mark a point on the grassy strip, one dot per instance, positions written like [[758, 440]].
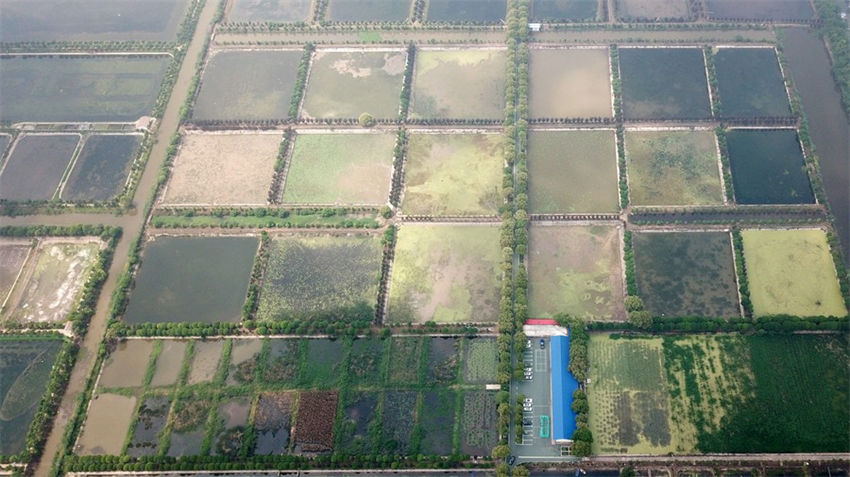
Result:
[[282, 218], [716, 104], [741, 271], [835, 30], [301, 78], [280, 166], [257, 271], [408, 79], [777, 324], [629, 257], [399, 154], [723, 144]]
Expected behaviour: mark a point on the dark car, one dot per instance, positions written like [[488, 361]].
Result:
[[542, 343]]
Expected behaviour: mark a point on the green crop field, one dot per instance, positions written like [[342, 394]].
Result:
[[27, 20], [340, 168], [453, 174], [25, 366], [368, 10], [445, 273], [686, 273], [664, 83], [629, 404], [570, 83], [750, 82], [101, 170], [247, 85], [459, 84], [276, 11], [347, 84], [310, 275], [575, 270], [768, 167], [791, 272], [177, 282], [652, 9], [84, 88], [572, 172], [35, 166], [673, 168]]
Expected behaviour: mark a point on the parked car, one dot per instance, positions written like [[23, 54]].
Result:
[[542, 343]]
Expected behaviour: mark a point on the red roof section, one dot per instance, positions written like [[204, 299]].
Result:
[[540, 321]]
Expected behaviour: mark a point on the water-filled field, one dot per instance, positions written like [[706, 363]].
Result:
[[247, 85], [310, 275], [458, 84], [25, 365], [575, 269], [79, 88], [462, 11], [345, 84], [791, 272], [453, 174], [446, 274], [177, 282], [340, 168], [83, 20], [564, 10], [50, 286], [276, 11], [673, 167], [686, 273], [664, 83], [35, 166], [767, 167], [750, 82], [699, 393], [652, 9], [572, 172], [101, 169], [760, 9], [358, 396], [368, 10], [229, 168], [570, 83], [5, 140]]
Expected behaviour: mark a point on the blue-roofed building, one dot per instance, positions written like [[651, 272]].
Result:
[[563, 386]]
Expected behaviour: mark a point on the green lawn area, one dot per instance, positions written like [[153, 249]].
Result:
[[340, 169], [453, 174], [791, 272]]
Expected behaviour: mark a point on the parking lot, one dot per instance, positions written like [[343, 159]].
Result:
[[533, 447]]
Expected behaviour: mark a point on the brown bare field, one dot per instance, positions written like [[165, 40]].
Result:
[[13, 253], [218, 169], [570, 83]]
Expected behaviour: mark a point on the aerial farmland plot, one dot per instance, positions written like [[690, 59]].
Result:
[[673, 167], [346, 84], [649, 10], [35, 166], [446, 274], [275, 11], [797, 10], [767, 167], [318, 274], [50, 285], [13, 255], [101, 169], [686, 273], [451, 174], [154, 20], [791, 272], [564, 10], [347, 167], [750, 82], [466, 11], [247, 85], [664, 83], [234, 168], [464, 83], [25, 368], [80, 88], [570, 83], [572, 171], [575, 269], [368, 10], [178, 283]]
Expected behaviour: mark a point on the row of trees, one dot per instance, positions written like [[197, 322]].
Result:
[[835, 30], [280, 167]]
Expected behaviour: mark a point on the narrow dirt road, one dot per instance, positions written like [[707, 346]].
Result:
[[131, 224]]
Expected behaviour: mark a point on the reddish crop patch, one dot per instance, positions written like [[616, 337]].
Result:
[[314, 425]]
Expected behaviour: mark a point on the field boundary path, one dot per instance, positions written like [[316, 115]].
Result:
[[131, 224]]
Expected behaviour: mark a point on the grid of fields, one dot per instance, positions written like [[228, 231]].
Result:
[[297, 396]]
